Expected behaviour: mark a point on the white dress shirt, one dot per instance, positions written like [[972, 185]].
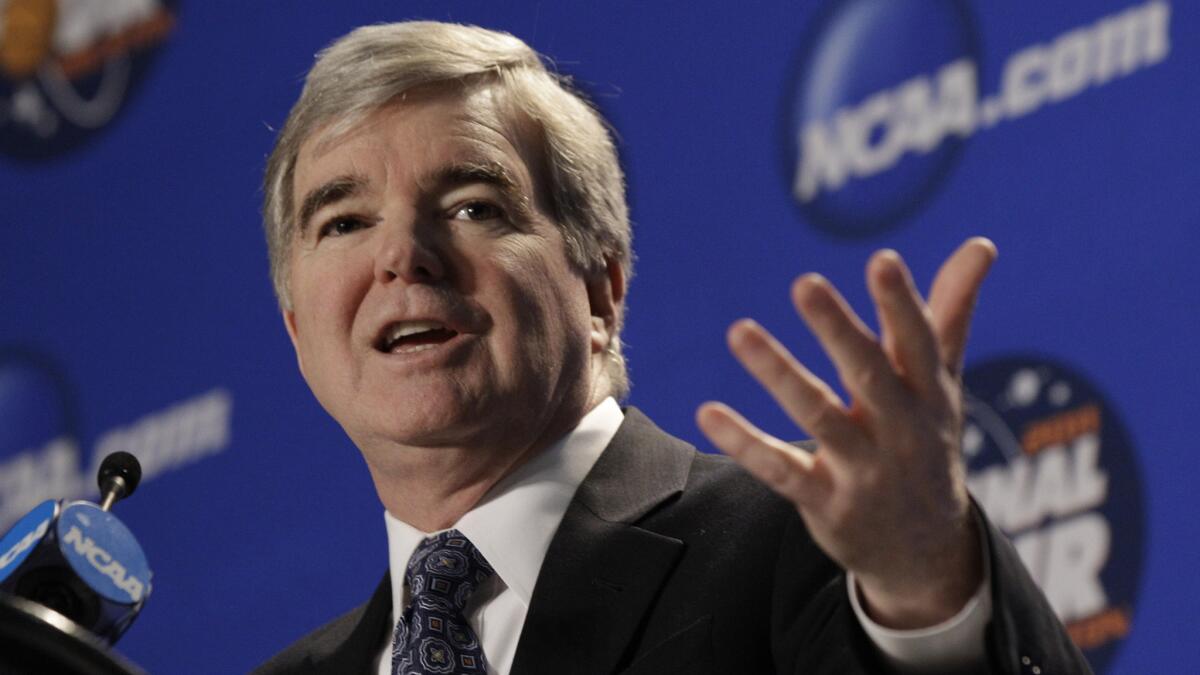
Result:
[[512, 527]]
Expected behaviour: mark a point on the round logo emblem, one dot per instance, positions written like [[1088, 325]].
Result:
[[1052, 465], [883, 102], [103, 552], [67, 66]]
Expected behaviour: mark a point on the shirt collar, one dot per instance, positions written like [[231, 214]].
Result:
[[513, 524]]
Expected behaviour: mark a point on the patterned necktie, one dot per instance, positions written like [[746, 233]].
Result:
[[433, 635]]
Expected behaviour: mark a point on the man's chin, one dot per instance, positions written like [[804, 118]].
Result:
[[426, 427]]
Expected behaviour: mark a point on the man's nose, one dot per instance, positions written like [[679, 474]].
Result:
[[410, 254]]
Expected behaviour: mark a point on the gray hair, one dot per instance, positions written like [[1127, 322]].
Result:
[[373, 66]]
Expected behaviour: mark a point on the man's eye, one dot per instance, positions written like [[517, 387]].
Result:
[[340, 226], [478, 211]]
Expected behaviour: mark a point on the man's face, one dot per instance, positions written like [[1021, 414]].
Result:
[[432, 300]]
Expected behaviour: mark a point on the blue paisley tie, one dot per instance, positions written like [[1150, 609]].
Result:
[[433, 635]]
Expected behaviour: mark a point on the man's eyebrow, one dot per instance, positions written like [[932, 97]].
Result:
[[329, 192], [488, 173], [492, 173]]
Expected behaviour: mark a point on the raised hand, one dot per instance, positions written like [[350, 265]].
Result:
[[884, 493]]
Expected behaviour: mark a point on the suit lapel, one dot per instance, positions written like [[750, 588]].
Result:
[[602, 571], [338, 653]]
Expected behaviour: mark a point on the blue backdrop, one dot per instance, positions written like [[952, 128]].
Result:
[[760, 141]]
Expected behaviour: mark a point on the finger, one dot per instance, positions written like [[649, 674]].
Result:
[[907, 332], [861, 364], [783, 468], [807, 400], [953, 294]]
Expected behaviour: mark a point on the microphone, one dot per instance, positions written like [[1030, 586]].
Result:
[[118, 477], [80, 560]]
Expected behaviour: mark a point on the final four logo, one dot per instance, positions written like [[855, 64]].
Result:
[[67, 66], [1052, 465]]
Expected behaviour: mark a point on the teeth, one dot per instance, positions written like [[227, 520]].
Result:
[[406, 328], [415, 348], [396, 332]]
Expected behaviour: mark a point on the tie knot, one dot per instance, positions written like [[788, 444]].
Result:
[[446, 568]]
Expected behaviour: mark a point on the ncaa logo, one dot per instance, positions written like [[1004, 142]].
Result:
[[888, 93], [67, 66], [1052, 465], [883, 84]]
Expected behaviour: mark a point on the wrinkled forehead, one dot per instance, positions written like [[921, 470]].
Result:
[[475, 123]]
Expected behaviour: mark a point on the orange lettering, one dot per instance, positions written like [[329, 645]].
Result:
[[1060, 428], [1098, 629]]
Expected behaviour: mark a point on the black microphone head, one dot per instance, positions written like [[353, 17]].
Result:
[[120, 464]]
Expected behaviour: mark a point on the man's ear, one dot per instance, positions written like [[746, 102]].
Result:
[[606, 297], [289, 322]]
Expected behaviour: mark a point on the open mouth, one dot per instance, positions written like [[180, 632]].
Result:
[[406, 337]]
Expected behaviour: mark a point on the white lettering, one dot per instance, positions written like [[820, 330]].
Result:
[[98, 556], [25, 544], [82, 544], [1070, 67], [958, 89], [916, 120], [1057, 481], [860, 125], [1065, 559], [116, 571], [32, 476], [102, 561], [822, 162], [1137, 37], [998, 489], [1116, 45], [168, 439], [176, 436], [1024, 81], [873, 136], [1089, 483]]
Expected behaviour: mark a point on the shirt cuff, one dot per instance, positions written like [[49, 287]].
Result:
[[951, 645]]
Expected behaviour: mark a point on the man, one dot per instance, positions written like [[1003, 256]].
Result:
[[451, 247]]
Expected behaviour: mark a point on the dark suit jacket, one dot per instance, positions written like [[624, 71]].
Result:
[[669, 560]]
